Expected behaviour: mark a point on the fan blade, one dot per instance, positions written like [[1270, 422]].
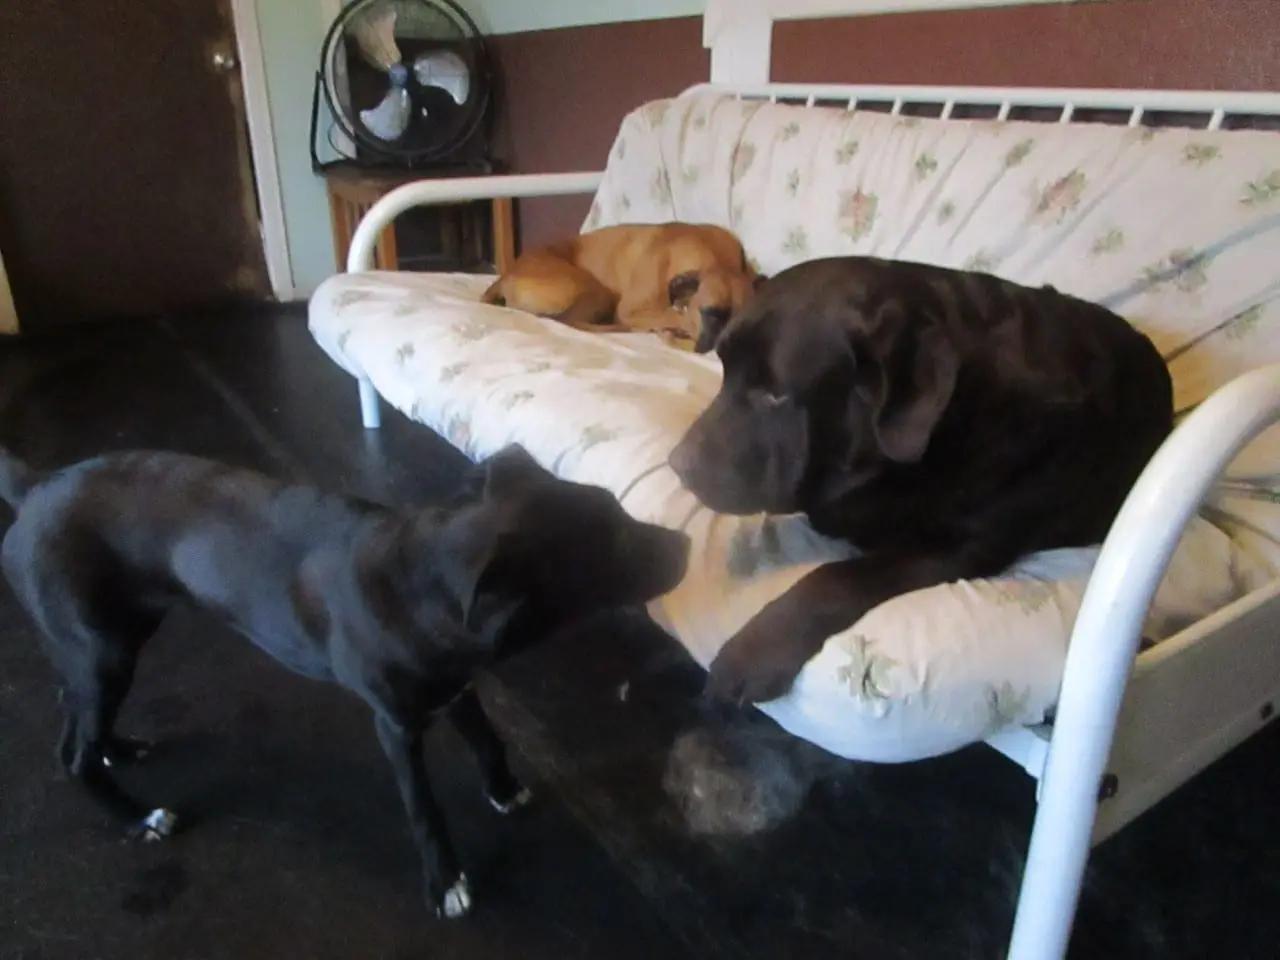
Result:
[[375, 32], [390, 118], [444, 70]]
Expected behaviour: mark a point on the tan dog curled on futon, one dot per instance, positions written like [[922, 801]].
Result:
[[680, 280]]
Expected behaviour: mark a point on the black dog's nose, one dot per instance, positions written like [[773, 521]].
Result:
[[675, 557], [680, 548], [681, 460]]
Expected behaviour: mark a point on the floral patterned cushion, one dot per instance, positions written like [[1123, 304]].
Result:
[[922, 674], [1175, 230]]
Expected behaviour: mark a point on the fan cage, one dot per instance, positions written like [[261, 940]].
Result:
[[433, 24]]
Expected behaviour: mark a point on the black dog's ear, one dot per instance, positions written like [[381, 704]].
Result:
[[473, 565], [757, 282], [682, 287], [509, 469], [473, 558], [908, 377], [480, 595]]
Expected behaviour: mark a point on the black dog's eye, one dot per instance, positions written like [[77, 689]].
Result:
[[768, 398]]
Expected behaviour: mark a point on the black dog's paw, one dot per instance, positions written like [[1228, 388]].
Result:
[[753, 667], [155, 826], [124, 751], [509, 802], [456, 901]]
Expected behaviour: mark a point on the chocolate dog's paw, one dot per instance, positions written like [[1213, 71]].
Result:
[[123, 751], [456, 901], [505, 805], [726, 683], [751, 670], [155, 826]]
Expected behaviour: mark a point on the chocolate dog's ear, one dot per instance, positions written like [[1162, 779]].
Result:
[[682, 287], [757, 281], [908, 376]]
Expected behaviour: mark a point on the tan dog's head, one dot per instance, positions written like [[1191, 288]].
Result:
[[715, 284], [710, 298]]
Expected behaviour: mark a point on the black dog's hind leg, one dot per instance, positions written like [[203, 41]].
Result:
[[447, 890], [98, 677], [505, 792]]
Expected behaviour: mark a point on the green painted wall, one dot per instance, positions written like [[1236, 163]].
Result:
[[292, 31]]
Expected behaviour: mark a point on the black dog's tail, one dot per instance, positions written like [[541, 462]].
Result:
[[16, 479]]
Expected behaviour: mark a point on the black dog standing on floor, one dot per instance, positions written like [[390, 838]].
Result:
[[945, 422], [402, 608]]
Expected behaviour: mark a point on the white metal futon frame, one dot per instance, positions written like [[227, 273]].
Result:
[[1129, 728]]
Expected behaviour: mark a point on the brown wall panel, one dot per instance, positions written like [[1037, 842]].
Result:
[[567, 90], [1161, 44]]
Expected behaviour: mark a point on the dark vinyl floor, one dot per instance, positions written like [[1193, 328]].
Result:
[[296, 845]]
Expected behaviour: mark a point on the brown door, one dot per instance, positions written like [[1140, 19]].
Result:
[[125, 180]]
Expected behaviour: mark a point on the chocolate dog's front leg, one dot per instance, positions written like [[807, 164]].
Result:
[[447, 890], [760, 662]]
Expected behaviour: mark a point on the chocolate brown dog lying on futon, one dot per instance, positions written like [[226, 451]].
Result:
[[944, 422]]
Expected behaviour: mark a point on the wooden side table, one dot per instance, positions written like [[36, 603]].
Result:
[[352, 192]]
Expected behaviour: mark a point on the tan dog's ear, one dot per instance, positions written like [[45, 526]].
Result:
[[908, 377], [682, 287]]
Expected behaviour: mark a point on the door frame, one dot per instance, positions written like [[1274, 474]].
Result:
[[262, 147], [8, 312]]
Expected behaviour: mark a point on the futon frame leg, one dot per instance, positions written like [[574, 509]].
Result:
[[370, 413]]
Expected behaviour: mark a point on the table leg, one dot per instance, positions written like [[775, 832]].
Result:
[[504, 234], [342, 229], [388, 257]]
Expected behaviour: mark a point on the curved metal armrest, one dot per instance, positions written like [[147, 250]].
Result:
[[1105, 642], [425, 193]]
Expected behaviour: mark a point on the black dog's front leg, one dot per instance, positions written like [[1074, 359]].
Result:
[[505, 792], [446, 886]]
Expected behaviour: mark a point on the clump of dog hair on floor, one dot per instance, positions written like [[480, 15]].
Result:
[[734, 781]]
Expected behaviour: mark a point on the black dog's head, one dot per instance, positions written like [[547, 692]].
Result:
[[828, 377], [556, 549]]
